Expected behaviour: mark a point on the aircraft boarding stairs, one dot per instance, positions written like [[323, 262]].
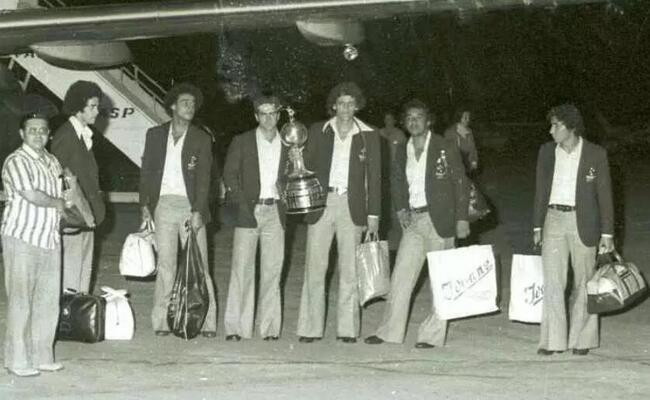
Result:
[[135, 101]]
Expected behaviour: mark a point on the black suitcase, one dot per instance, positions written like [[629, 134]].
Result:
[[81, 318]]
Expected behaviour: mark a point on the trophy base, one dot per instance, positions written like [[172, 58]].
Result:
[[303, 194]]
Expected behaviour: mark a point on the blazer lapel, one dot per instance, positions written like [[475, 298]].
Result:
[[283, 163], [254, 162], [582, 167], [328, 148], [432, 157]]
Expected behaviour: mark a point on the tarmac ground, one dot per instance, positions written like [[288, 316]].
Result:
[[485, 357]]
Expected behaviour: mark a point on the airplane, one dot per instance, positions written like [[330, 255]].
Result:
[[93, 36]]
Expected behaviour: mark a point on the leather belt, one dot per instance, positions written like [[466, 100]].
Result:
[[337, 190], [418, 210], [267, 202], [561, 207]]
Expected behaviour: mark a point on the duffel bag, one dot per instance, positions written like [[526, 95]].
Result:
[[614, 286], [120, 323], [82, 317]]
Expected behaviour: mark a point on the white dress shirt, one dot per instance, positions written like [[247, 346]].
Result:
[[565, 175], [268, 156], [172, 180], [416, 171], [340, 157], [83, 132]]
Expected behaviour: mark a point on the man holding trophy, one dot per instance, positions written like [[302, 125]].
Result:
[[344, 153], [253, 174]]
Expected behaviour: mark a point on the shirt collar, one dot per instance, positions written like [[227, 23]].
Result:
[[426, 142], [171, 129], [79, 128], [32, 153], [576, 150], [260, 136], [359, 126]]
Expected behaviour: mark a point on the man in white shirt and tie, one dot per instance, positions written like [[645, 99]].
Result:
[[253, 175], [573, 215]]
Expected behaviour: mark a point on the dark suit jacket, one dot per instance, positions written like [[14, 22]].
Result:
[[242, 178], [196, 159], [73, 154], [447, 196], [318, 158], [594, 205]]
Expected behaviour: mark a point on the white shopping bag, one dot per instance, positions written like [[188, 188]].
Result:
[[119, 324], [463, 281], [526, 289], [138, 257]]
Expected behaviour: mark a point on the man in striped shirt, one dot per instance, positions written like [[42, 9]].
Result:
[[31, 245]]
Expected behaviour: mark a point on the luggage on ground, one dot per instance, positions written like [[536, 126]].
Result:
[[373, 269], [190, 300], [82, 317], [463, 281]]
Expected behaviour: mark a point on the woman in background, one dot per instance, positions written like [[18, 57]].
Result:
[[461, 134]]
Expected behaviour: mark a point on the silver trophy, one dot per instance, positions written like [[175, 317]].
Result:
[[302, 192]]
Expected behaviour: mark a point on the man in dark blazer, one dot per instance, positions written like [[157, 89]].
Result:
[[429, 192], [254, 176], [344, 152], [573, 214], [174, 190], [72, 145]]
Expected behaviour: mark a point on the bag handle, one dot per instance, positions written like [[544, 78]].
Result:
[[609, 257], [110, 292], [147, 226], [371, 237]]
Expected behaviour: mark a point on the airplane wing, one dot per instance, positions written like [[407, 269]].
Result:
[[22, 28]]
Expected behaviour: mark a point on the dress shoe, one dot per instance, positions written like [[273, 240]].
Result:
[[424, 345], [347, 339], [51, 367], [24, 372], [580, 352], [161, 333], [233, 338], [544, 352], [307, 339], [374, 339], [269, 338], [209, 334]]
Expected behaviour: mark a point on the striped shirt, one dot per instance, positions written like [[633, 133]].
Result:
[[25, 170]]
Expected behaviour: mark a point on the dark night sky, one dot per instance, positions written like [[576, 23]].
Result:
[[508, 65]]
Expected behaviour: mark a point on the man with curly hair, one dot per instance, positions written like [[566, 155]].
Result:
[[174, 190], [344, 152], [72, 145]]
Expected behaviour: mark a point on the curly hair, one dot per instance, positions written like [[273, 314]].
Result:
[[419, 105], [570, 116], [77, 96], [179, 89], [345, 89]]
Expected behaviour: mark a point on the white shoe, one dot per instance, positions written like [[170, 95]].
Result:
[[52, 367], [24, 372]]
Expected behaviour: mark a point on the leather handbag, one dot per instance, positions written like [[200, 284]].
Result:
[[614, 286], [478, 206], [82, 317], [79, 215]]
